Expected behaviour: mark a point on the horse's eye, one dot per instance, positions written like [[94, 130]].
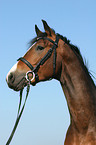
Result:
[[40, 48]]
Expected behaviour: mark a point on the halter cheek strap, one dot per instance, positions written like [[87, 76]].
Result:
[[35, 69]]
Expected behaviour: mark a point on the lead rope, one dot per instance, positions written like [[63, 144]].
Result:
[[19, 114]]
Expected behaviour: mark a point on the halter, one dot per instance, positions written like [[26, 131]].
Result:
[[35, 76], [35, 69]]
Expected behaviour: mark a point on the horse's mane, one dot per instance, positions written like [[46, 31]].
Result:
[[67, 41]]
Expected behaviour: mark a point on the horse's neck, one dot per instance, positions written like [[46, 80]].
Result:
[[79, 90]]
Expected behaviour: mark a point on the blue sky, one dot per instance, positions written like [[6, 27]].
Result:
[[45, 119]]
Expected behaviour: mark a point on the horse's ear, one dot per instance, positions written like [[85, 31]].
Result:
[[48, 30], [38, 32]]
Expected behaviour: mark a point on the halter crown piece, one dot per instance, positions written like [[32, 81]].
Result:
[[35, 76]]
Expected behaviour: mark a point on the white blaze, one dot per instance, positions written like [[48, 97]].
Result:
[[13, 69]]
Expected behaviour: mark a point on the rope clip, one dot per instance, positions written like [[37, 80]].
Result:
[[30, 76]]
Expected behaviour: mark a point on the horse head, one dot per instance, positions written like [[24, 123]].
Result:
[[40, 63]]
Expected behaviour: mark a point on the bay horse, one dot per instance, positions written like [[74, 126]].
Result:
[[52, 56]]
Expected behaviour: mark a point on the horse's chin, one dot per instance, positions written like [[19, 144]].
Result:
[[20, 87]]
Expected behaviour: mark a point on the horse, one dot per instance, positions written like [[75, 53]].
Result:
[[52, 56]]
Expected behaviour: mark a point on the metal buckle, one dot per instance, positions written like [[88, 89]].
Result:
[[28, 77]]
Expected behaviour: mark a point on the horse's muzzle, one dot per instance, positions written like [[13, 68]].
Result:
[[16, 82]]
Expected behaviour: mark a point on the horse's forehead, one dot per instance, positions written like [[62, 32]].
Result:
[[41, 42], [31, 46]]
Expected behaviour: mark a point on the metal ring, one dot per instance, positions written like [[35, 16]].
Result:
[[33, 76]]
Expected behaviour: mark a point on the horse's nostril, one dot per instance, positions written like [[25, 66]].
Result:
[[11, 77]]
